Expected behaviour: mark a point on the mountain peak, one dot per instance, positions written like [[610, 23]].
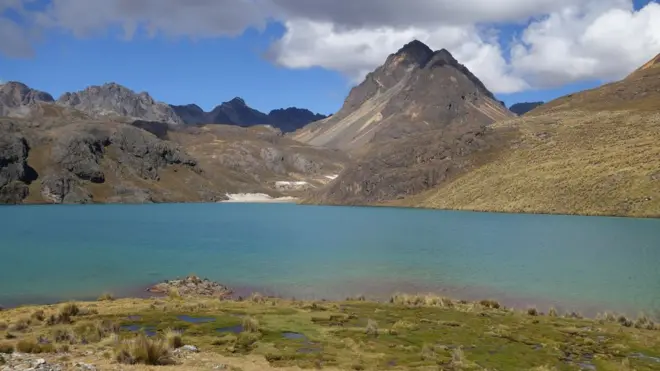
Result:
[[415, 51], [237, 101]]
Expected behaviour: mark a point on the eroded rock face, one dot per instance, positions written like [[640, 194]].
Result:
[[80, 154], [16, 98], [14, 170], [145, 154], [63, 188]]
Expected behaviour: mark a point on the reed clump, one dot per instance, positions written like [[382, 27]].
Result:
[[143, 350], [250, 324]]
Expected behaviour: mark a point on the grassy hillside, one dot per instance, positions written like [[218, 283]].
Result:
[[595, 152], [410, 332]]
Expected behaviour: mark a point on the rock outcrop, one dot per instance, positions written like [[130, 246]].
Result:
[[112, 99], [15, 173], [192, 286], [17, 99]]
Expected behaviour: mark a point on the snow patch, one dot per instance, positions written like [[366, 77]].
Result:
[[332, 177], [291, 185], [256, 198]]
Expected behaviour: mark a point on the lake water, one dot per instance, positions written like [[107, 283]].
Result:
[[54, 253]]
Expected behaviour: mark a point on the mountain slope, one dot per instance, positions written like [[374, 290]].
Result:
[[412, 124], [416, 90], [112, 99], [592, 152], [524, 107]]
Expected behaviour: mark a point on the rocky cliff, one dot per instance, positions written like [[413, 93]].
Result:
[[112, 99], [17, 99]]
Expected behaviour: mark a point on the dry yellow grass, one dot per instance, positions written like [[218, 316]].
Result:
[[570, 162]]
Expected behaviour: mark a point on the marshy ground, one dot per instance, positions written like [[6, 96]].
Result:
[[259, 333]]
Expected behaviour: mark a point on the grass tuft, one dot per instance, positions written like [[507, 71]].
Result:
[[250, 324], [106, 296], [21, 325], [31, 346], [173, 339], [6, 348], [174, 294], [38, 315], [532, 311], [490, 304], [552, 312], [143, 350]]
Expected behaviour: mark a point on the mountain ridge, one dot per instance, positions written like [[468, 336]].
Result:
[[237, 112]]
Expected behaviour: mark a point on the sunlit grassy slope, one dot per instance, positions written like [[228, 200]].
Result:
[[595, 152]]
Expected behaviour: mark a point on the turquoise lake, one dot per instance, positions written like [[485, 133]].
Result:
[[55, 253]]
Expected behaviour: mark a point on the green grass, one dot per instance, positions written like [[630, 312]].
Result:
[[411, 332]]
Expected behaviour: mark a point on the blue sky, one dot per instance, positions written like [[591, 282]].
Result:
[[206, 72]]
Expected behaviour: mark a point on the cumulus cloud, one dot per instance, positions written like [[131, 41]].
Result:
[[559, 41], [567, 41], [355, 52], [600, 40]]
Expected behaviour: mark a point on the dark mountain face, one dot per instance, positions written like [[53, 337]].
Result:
[[191, 114], [112, 99], [237, 112], [292, 118], [524, 107], [17, 98]]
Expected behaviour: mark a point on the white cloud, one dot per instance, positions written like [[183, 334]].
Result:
[[567, 40], [355, 52], [599, 40]]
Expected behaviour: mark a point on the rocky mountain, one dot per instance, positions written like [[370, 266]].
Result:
[[17, 99], [413, 123], [594, 152], [57, 154], [416, 90], [524, 107], [112, 99], [237, 112], [292, 118]]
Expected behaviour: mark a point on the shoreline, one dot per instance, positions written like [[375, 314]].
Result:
[[240, 292], [385, 205]]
